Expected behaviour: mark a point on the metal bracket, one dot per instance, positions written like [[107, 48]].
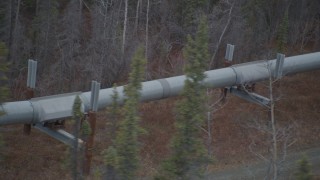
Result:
[[279, 66], [59, 134], [32, 71], [95, 89], [229, 52], [249, 96]]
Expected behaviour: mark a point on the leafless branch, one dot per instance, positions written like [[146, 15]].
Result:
[[223, 32], [255, 152]]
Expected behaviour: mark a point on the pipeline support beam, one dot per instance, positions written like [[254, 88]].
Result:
[[29, 95], [90, 142], [60, 135]]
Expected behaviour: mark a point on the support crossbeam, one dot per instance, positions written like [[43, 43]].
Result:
[[249, 96], [59, 135]]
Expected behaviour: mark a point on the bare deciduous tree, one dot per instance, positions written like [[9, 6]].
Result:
[[125, 22], [215, 102], [230, 10], [278, 137]]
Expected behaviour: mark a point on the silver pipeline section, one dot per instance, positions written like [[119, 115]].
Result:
[[51, 108]]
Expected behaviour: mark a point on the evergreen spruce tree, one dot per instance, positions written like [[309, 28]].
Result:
[[110, 154], [111, 161], [77, 116], [3, 89], [304, 171], [2, 146], [114, 114], [85, 129], [283, 34], [186, 10], [129, 129], [189, 157]]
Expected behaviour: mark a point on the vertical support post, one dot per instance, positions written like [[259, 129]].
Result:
[[229, 55], [29, 72], [33, 74], [228, 62], [93, 86], [31, 81], [95, 89], [96, 97], [90, 142], [279, 66], [27, 127]]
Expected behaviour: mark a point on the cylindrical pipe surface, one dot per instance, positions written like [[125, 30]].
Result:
[[20, 112], [29, 111]]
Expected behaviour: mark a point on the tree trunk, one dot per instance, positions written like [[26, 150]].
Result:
[[14, 29], [124, 27], [147, 41], [221, 36], [17, 14], [147, 29], [105, 21], [75, 149], [11, 5], [80, 10], [274, 131], [137, 19]]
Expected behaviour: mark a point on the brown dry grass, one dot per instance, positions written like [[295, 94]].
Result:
[[40, 157], [31, 157]]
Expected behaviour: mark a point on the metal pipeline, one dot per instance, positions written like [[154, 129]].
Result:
[[56, 107]]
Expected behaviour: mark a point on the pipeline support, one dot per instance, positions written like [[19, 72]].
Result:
[[90, 142]]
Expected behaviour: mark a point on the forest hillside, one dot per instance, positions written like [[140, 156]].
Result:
[[77, 41]]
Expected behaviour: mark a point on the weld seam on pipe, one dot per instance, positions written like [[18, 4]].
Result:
[[33, 114], [165, 87], [85, 102], [236, 74]]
